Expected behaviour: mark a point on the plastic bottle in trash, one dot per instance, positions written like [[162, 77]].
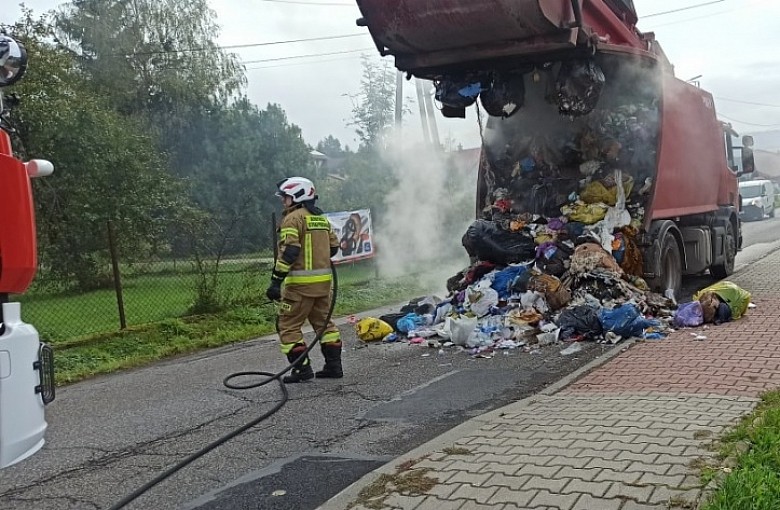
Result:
[[478, 338]]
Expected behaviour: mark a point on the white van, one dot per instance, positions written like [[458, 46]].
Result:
[[758, 199]]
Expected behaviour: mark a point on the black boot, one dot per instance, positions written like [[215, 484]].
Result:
[[302, 370], [332, 368]]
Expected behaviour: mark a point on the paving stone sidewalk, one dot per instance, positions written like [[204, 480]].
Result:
[[625, 434]]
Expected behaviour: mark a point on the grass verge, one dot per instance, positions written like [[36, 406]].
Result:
[[406, 481], [80, 358], [748, 477]]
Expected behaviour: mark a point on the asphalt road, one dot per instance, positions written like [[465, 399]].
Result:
[[766, 231], [758, 239], [110, 435]]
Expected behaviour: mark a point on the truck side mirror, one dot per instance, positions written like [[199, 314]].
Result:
[[748, 162]]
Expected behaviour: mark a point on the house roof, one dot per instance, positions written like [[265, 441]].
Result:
[[466, 160]]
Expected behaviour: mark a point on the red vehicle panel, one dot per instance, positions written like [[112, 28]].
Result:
[[693, 176], [427, 36], [18, 249]]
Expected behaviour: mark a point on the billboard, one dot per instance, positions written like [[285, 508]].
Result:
[[353, 230]]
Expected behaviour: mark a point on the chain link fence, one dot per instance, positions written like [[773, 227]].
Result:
[[145, 292]]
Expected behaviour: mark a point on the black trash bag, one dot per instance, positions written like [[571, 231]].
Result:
[[601, 286], [520, 284], [426, 309], [574, 230], [414, 305], [504, 97], [558, 264], [543, 199], [547, 198], [457, 94], [485, 241], [392, 319], [578, 87], [580, 320], [457, 282], [453, 113]]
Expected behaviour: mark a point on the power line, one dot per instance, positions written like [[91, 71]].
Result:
[[748, 123], [237, 46], [748, 102], [306, 56], [290, 41], [682, 9], [693, 19], [290, 64], [710, 15]]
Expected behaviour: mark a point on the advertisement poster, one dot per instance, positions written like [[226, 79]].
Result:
[[353, 230]]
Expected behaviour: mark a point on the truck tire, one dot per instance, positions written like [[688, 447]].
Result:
[[726, 269], [772, 212], [671, 267]]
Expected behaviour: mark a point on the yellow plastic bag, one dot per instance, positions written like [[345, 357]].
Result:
[[543, 238], [732, 294], [588, 214], [372, 330], [596, 192]]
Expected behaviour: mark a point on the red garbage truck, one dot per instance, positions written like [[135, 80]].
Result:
[[586, 122]]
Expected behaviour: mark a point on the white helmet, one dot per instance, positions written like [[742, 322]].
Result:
[[300, 189], [13, 60]]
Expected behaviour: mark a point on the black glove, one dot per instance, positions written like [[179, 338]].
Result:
[[274, 292]]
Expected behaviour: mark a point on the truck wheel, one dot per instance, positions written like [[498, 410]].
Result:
[[772, 212], [671, 267], [730, 244]]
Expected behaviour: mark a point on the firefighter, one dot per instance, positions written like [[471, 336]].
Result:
[[306, 244]]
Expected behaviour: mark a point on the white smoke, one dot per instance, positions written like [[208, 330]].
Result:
[[426, 214]]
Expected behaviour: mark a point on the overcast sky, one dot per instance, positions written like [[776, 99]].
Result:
[[733, 44]]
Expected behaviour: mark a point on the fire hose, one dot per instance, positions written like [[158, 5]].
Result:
[[269, 377]]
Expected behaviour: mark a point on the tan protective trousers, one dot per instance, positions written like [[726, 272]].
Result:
[[295, 310]]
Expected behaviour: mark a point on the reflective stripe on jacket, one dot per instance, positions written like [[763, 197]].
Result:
[[310, 274]]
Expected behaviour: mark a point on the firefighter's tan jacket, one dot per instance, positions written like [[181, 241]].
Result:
[[309, 275]]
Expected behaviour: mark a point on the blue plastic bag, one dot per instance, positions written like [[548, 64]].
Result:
[[410, 322], [626, 321], [502, 281], [689, 315]]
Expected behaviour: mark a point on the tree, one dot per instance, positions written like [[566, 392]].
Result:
[[154, 57], [234, 157], [373, 107], [369, 172], [331, 147], [368, 179], [107, 167]]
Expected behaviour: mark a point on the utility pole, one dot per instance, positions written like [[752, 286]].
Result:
[[399, 99], [423, 115], [432, 118]]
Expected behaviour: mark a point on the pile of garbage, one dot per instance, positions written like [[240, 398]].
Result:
[[523, 305], [555, 255], [519, 307]]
